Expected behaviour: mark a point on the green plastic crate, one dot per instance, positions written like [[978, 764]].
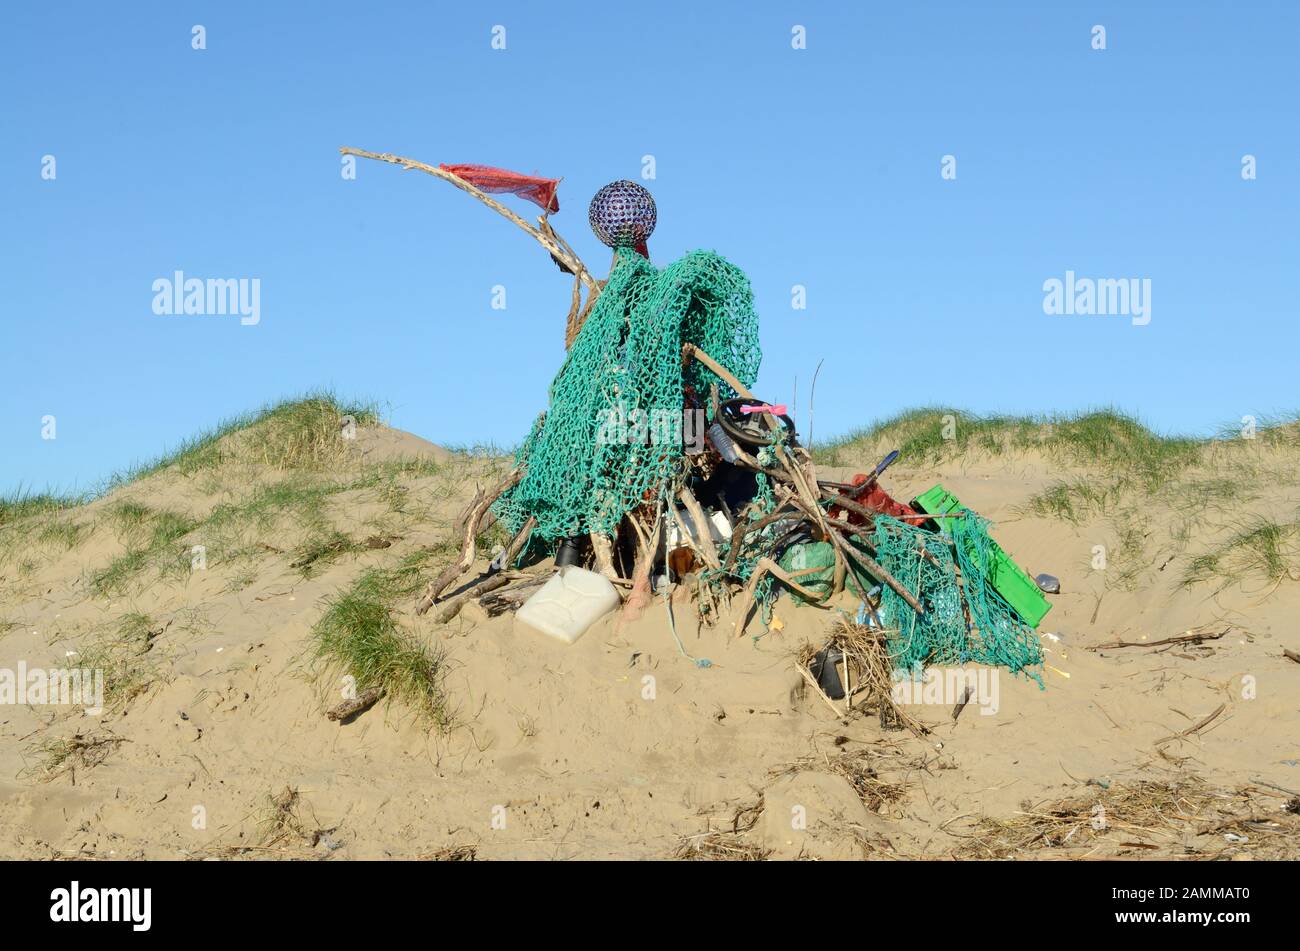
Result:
[[1007, 578]]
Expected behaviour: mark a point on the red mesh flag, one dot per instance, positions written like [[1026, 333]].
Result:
[[540, 191]]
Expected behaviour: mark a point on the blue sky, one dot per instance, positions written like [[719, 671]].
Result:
[[817, 166]]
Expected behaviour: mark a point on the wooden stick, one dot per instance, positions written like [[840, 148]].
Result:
[[690, 350], [787, 578], [451, 607], [848, 504], [962, 701], [458, 526], [841, 572], [739, 535], [768, 566], [1196, 728], [545, 237], [782, 511], [511, 597], [571, 321], [875, 569], [350, 708], [704, 538], [572, 335], [647, 544], [1191, 638], [807, 675], [859, 531], [470, 519], [747, 602], [493, 581], [1282, 789], [603, 550]]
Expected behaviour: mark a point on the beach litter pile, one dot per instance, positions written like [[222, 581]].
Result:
[[656, 473]]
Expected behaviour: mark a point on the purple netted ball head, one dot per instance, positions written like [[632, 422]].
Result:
[[622, 214]]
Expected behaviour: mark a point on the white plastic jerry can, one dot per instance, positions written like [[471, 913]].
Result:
[[570, 603]]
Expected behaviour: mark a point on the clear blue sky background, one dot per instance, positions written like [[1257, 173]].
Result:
[[818, 167]]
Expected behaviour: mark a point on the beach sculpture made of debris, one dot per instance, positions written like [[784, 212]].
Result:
[[923, 562], [612, 434]]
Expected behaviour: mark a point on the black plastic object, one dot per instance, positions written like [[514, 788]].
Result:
[[569, 551], [825, 667], [730, 488], [885, 463], [749, 429]]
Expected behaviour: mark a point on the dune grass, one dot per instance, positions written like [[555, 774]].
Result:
[[298, 433], [358, 636], [302, 438], [295, 508], [59, 755], [1260, 547], [1105, 438], [22, 504], [302, 435], [123, 655], [152, 537]]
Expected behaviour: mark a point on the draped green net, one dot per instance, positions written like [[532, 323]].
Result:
[[926, 563], [613, 431]]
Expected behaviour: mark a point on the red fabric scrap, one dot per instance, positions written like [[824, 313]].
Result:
[[540, 191], [878, 500]]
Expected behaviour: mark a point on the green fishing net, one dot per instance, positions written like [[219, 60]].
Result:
[[926, 564], [614, 429]]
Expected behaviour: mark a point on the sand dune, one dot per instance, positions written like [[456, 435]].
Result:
[[214, 741]]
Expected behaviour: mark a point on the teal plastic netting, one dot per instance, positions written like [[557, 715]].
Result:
[[924, 563], [613, 432]]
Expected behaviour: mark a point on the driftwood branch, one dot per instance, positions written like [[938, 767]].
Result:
[[739, 533], [575, 325], [876, 571], [500, 579], [544, 235], [703, 528], [511, 597], [1192, 637], [469, 522], [647, 543], [602, 548], [1195, 728], [359, 704], [766, 566], [451, 607]]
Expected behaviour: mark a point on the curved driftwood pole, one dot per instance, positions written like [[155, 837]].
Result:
[[542, 233]]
